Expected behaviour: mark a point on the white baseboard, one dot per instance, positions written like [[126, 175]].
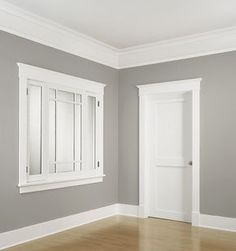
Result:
[[172, 215], [195, 218], [25, 234], [128, 210], [218, 222]]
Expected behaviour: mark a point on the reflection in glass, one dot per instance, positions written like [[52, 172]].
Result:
[[78, 133], [35, 129], [91, 143], [64, 136], [52, 135]]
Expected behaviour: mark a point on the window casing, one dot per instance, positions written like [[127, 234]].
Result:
[[61, 130]]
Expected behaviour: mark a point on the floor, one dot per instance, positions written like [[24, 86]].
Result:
[[120, 233]]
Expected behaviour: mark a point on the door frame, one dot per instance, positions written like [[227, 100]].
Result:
[[189, 85]]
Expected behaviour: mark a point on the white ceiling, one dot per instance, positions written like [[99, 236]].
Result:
[[126, 23]]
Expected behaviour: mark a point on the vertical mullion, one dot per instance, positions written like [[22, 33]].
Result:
[[28, 132], [41, 132], [74, 134], [56, 122], [95, 134], [84, 132], [45, 130], [81, 131]]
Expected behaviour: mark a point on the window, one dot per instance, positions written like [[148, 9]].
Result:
[[61, 130]]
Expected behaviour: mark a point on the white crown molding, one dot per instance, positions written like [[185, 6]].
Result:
[[22, 23], [181, 48]]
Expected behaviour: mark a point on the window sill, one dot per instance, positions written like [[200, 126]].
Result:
[[54, 184]]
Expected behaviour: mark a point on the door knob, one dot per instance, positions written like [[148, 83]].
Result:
[[190, 163]]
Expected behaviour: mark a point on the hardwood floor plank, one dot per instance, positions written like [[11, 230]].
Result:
[[120, 233]]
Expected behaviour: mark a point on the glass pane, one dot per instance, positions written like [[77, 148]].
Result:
[[52, 93], [65, 135], [34, 129], [78, 132], [91, 132], [67, 96], [52, 135]]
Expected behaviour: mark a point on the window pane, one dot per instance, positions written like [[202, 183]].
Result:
[[52, 135], [91, 132], [78, 133], [35, 129], [65, 135], [67, 96]]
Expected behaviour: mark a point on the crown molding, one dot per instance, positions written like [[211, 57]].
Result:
[[22, 23], [208, 43]]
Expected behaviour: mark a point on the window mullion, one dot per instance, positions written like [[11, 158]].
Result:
[[84, 132], [45, 131], [56, 123], [74, 134]]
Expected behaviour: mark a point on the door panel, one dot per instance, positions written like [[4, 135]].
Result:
[[171, 176]]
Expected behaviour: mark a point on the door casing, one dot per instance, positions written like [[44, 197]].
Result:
[[145, 93]]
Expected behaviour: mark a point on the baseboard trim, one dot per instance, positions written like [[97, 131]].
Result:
[[195, 218], [29, 233], [172, 215], [218, 222], [128, 210]]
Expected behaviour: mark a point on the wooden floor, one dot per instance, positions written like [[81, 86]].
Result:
[[126, 233]]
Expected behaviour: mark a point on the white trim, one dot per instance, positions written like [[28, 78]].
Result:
[[29, 233], [195, 218], [218, 41], [218, 222], [52, 79], [145, 91], [128, 210], [25, 24], [57, 78], [25, 234], [54, 184], [176, 86], [22, 23], [172, 215]]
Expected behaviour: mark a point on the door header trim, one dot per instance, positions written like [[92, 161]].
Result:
[[145, 91], [170, 86]]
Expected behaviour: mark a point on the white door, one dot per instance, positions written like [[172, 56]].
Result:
[[171, 155]]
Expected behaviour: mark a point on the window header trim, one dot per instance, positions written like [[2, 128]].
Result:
[[57, 78]]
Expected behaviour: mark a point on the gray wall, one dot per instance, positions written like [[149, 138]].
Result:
[[218, 137], [218, 127], [21, 210]]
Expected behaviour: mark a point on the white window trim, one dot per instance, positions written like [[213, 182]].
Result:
[[58, 79]]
